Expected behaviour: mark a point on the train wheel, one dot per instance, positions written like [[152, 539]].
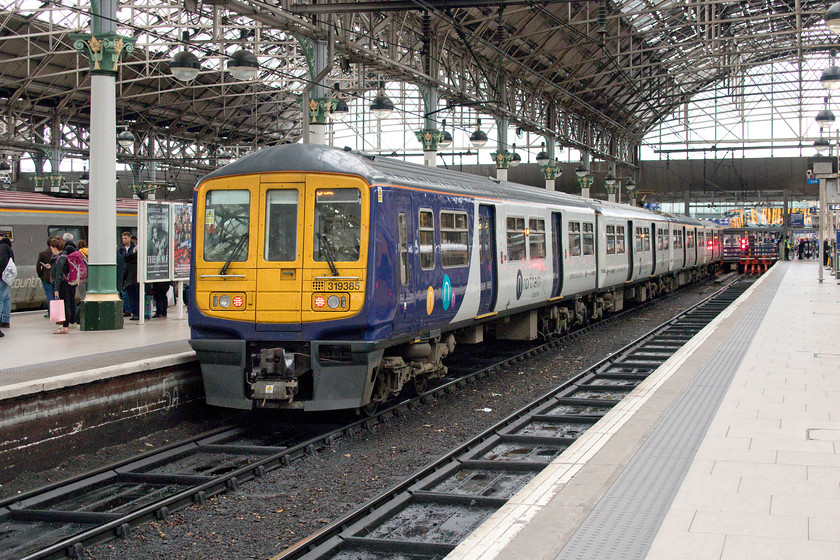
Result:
[[418, 385], [368, 410]]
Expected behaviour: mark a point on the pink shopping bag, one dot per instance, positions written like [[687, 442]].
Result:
[[57, 311]]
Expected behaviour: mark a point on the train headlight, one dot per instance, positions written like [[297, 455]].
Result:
[[333, 302], [224, 301]]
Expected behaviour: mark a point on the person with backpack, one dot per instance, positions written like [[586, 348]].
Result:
[[76, 270], [63, 289], [6, 256]]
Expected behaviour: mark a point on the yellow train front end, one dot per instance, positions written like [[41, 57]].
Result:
[[280, 261]]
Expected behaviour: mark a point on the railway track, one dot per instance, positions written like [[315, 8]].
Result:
[[62, 519], [429, 514]]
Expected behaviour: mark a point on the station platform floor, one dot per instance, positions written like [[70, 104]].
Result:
[[33, 359], [730, 450]]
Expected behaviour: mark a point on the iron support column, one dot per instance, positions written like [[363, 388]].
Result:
[[102, 309]]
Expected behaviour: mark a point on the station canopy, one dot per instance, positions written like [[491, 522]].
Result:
[[608, 77]]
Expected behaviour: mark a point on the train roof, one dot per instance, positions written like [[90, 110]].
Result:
[[380, 170], [16, 200]]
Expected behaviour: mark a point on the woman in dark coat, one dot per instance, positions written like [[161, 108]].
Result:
[[61, 288]]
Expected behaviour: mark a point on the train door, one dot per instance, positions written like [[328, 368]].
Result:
[[406, 237], [557, 250], [487, 257], [631, 249], [653, 246], [279, 257]]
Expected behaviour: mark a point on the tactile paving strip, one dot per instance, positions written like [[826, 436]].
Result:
[[625, 521]]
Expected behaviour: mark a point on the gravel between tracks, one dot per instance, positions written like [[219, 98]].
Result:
[[267, 515]]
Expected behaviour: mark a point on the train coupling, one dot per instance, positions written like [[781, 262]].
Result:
[[272, 376]]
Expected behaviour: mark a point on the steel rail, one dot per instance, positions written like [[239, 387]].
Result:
[[132, 479], [407, 517]]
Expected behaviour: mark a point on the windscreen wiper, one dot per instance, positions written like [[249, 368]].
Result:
[[328, 253], [234, 253]]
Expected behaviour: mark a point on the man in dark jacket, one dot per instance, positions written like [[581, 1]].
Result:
[[131, 286], [6, 253], [42, 267]]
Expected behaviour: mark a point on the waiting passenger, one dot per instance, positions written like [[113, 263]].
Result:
[[61, 288], [6, 255], [42, 268]]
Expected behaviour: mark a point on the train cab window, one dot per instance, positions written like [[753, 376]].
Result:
[[281, 225], [516, 238], [402, 221], [426, 237], [454, 239], [610, 240], [536, 238], [588, 238], [619, 240], [227, 216], [574, 239], [338, 224]]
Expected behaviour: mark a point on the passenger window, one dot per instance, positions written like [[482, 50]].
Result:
[[619, 240], [574, 239], [646, 239], [454, 239], [588, 239], [639, 240], [426, 237], [281, 212], [227, 215], [338, 225], [536, 238], [610, 240], [516, 239], [78, 232], [690, 240], [403, 232]]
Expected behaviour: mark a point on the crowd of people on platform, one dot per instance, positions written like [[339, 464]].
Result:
[[806, 248], [53, 268]]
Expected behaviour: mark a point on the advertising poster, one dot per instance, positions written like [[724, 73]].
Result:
[[156, 250], [181, 240]]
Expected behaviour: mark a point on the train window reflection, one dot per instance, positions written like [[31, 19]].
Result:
[[454, 239], [574, 239], [281, 212], [338, 219], [226, 220], [516, 238], [536, 238], [426, 236], [588, 239]]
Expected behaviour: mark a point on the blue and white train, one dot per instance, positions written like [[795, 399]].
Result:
[[331, 279]]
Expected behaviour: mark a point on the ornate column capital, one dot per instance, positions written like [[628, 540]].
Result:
[[103, 51], [502, 159], [429, 137], [550, 171], [320, 109]]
